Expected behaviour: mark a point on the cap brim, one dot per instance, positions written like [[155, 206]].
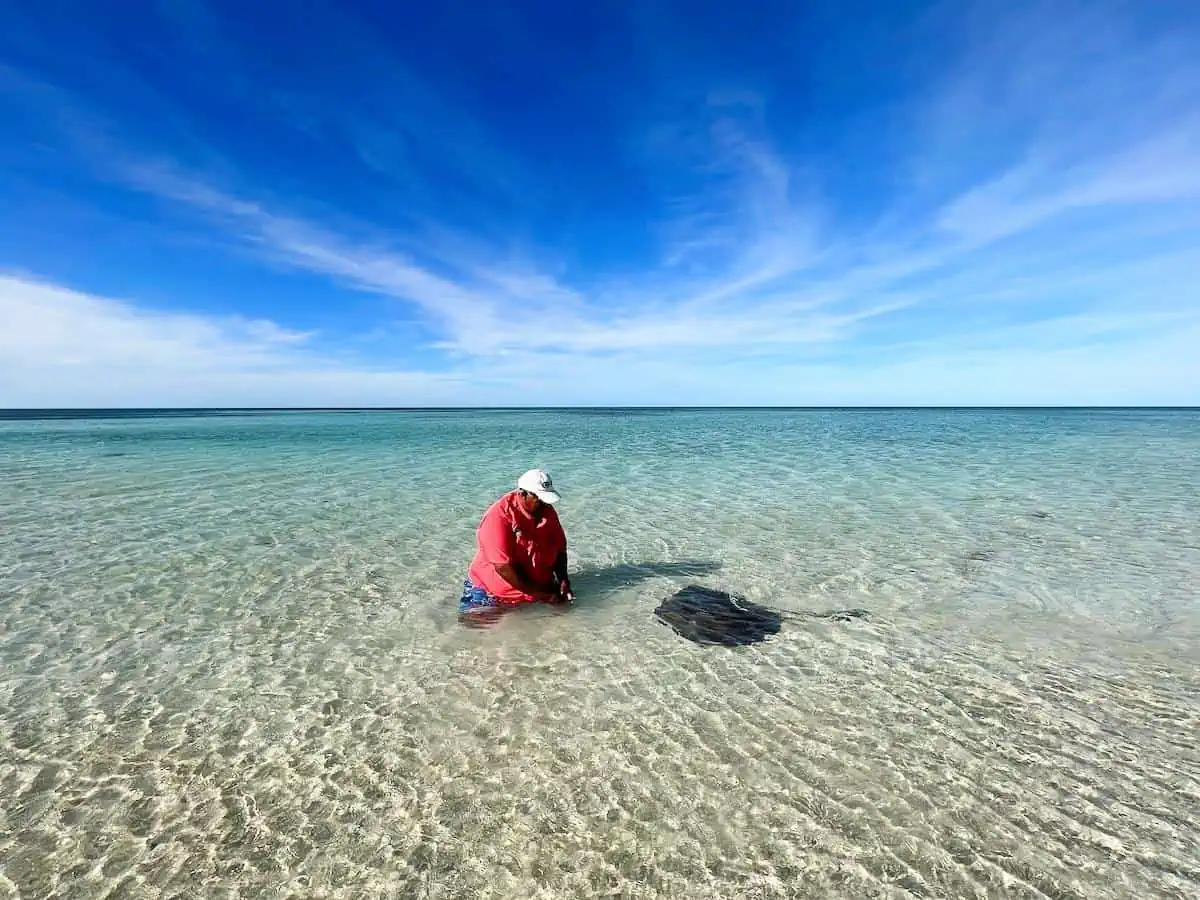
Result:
[[550, 497]]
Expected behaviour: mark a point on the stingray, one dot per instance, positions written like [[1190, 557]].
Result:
[[707, 616]]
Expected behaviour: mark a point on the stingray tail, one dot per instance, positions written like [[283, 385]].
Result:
[[838, 615]]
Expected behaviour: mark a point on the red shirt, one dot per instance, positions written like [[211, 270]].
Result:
[[509, 534]]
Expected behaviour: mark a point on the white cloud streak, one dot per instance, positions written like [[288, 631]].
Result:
[[49, 325], [72, 349], [61, 347]]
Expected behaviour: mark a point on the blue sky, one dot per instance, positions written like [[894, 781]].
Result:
[[376, 203]]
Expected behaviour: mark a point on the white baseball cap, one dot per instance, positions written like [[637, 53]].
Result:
[[538, 482]]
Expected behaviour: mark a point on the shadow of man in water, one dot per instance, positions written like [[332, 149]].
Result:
[[592, 585]]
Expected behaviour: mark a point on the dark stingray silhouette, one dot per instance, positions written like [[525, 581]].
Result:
[[707, 616]]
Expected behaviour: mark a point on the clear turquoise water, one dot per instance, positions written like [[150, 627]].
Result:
[[230, 663]]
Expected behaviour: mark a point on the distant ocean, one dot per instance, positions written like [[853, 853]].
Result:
[[230, 664]]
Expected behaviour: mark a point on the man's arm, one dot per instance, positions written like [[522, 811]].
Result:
[[560, 563], [564, 582], [513, 577]]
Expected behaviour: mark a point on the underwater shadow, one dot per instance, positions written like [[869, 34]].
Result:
[[591, 584]]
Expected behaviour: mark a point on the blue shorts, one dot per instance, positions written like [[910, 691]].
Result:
[[474, 597]]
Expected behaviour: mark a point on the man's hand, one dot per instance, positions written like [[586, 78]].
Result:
[[556, 594]]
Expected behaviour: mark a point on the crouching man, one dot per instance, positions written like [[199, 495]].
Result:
[[521, 550]]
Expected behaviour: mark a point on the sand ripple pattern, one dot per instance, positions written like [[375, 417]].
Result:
[[229, 665]]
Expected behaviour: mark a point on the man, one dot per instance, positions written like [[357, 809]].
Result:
[[521, 550]]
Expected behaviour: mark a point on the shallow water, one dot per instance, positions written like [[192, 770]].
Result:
[[230, 664]]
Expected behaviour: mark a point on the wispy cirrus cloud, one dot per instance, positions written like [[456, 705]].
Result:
[[484, 310], [485, 307], [1158, 170]]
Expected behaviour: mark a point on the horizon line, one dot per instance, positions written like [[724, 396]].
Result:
[[30, 412]]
